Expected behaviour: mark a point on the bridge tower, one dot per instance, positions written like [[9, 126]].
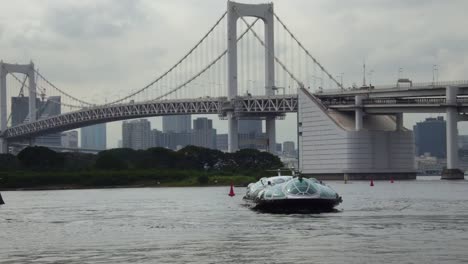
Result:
[[265, 13], [452, 172], [27, 69]]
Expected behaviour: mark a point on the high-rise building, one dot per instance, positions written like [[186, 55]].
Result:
[[94, 137], [289, 148], [203, 134], [430, 137], [45, 109], [176, 123], [70, 139], [136, 134], [250, 127], [222, 142]]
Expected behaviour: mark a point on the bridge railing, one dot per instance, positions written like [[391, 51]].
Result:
[[391, 101], [424, 84], [395, 86]]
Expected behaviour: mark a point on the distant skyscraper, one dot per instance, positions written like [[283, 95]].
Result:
[[222, 142], [70, 139], [136, 134], [94, 137], [430, 137], [203, 134], [289, 148], [250, 127], [176, 123], [45, 109]]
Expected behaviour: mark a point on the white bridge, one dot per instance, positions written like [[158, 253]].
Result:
[[240, 106], [220, 75]]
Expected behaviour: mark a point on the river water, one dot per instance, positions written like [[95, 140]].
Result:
[[421, 221]]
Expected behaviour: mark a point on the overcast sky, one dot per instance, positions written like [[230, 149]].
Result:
[[103, 48]]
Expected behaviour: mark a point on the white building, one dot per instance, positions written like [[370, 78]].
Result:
[[136, 134], [330, 147], [70, 139]]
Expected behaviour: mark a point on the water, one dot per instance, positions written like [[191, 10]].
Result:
[[423, 221]]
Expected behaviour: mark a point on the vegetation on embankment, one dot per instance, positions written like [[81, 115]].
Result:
[[42, 168]]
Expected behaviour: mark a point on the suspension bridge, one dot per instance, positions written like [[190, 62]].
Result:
[[248, 65], [238, 76]]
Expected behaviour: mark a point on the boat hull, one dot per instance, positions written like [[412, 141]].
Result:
[[312, 205]]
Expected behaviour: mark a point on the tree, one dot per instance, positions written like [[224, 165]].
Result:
[[40, 158], [8, 162], [199, 158], [114, 159]]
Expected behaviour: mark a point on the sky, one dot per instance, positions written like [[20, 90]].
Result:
[[97, 49]]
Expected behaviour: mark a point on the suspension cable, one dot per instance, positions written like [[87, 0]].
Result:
[[208, 66], [276, 59], [307, 52], [175, 65]]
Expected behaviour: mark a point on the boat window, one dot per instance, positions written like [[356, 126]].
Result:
[[278, 181], [274, 193], [300, 187]]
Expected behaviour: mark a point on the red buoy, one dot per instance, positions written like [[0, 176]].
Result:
[[231, 192], [371, 182], [391, 179]]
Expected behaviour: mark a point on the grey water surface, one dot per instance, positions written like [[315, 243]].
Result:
[[422, 221]]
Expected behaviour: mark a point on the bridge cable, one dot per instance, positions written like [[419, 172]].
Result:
[[307, 52], [174, 66], [276, 58], [207, 67]]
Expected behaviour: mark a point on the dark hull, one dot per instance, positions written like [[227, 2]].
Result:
[[296, 205]]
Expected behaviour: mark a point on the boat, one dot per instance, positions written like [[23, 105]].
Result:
[[291, 194]]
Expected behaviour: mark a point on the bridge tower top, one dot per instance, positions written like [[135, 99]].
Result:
[[265, 13], [28, 70]]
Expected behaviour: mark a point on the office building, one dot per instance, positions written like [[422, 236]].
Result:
[[136, 134], [250, 127], [203, 134], [94, 137], [222, 142], [430, 137], [176, 123], [289, 148], [70, 139]]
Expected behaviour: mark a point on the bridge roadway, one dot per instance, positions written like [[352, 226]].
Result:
[[242, 106], [420, 98], [397, 91]]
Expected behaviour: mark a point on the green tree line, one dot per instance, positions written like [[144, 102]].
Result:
[[39, 166]]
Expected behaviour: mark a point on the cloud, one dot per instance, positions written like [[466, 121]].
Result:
[[100, 48], [96, 19]]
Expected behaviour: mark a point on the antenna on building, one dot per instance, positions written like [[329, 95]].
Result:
[[364, 73]]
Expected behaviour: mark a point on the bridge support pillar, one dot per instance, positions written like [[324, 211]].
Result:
[[399, 121], [32, 94], [3, 146], [358, 113], [271, 133], [452, 172], [3, 98], [233, 134]]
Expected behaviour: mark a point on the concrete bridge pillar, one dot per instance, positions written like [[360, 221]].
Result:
[[452, 172], [399, 121], [3, 98], [264, 12], [358, 113]]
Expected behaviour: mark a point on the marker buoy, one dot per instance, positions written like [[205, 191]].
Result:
[[1, 199], [371, 182], [391, 179], [231, 192]]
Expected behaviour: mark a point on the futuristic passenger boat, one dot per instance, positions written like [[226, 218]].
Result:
[[291, 194]]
